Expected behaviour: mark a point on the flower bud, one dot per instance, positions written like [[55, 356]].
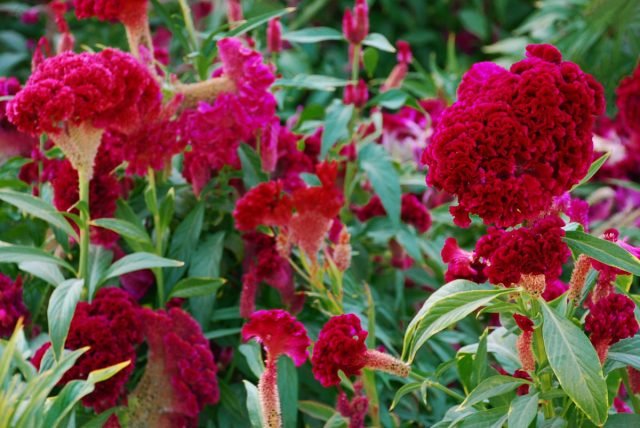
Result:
[[357, 95], [355, 25], [404, 52], [274, 36]]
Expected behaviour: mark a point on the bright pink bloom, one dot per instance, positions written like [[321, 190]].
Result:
[[356, 94], [180, 377], [554, 289], [355, 25], [217, 128], [515, 139], [30, 16], [106, 89], [340, 346], [462, 264], [274, 35], [111, 326], [628, 101], [234, 11], [610, 320], [265, 205], [12, 305], [404, 54], [280, 334], [533, 250]]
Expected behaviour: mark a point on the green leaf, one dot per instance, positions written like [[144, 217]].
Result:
[[370, 58], [182, 242], [375, 161], [576, 364], [99, 261], [602, 250], [492, 418], [313, 35], [523, 410], [595, 166], [392, 99], [492, 387], [316, 410], [38, 208], [378, 41], [253, 354], [335, 125], [404, 390], [314, 82], [19, 254], [252, 173], [288, 389], [62, 306], [195, 287], [48, 272], [206, 263], [623, 420], [138, 261], [624, 353], [125, 228], [255, 22], [253, 405], [474, 22], [445, 307]]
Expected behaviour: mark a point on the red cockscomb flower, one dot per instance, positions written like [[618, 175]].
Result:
[[180, 377], [533, 250], [462, 264], [265, 205], [12, 306], [610, 320], [110, 325], [515, 139], [280, 334], [525, 341], [341, 346]]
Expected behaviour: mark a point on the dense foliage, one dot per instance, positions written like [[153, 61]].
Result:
[[319, 213]]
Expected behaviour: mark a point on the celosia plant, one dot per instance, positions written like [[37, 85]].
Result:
[[286, 214]]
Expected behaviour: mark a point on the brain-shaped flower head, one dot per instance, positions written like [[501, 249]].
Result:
[[126, 11], [515, 138], [105, 89]]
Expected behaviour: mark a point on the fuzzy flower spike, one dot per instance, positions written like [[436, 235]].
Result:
[[74, 97], [280, 334], [341, 346]]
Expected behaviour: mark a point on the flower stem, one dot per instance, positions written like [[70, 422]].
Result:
[[159, 235], [355, 66], [83, 187]]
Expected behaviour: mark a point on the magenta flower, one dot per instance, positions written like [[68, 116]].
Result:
[[355, 25], [462, 264], [280, 334], [12, 306]]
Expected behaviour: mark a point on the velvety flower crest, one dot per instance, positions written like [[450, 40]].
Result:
[[12, 306]]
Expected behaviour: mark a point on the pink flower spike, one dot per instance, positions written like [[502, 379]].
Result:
[[280, 334], [404, 54], [355, 25]]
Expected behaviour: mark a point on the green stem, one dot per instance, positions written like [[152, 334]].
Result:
[[159, 232], [355, 66], [83, 187], [188, 23], [545, 378]]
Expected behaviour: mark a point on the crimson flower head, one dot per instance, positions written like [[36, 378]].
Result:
[[462, 264], [12, 306], [628, 101], [534, 250], [129, 12], [340, 346], [610, 320], [280, 334], [180, 377], [105, 89], [110, 325], [355, 25], [515, 138], [523, 322], [265, 205]]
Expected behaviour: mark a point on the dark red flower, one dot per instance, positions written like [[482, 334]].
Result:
[[515, 139], [340, 346], [610, 320], [12, 306], [462, 264], [265, 205], [628, 101], [533, 250]]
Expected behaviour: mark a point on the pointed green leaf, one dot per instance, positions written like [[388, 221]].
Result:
[[18, 254], [195, 287], [602, 250], [378, 41], [375, 161], [523, 410], [492, 387], [313, 35], [138, 261], [576, 364], [62, 306], [335, 125]]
